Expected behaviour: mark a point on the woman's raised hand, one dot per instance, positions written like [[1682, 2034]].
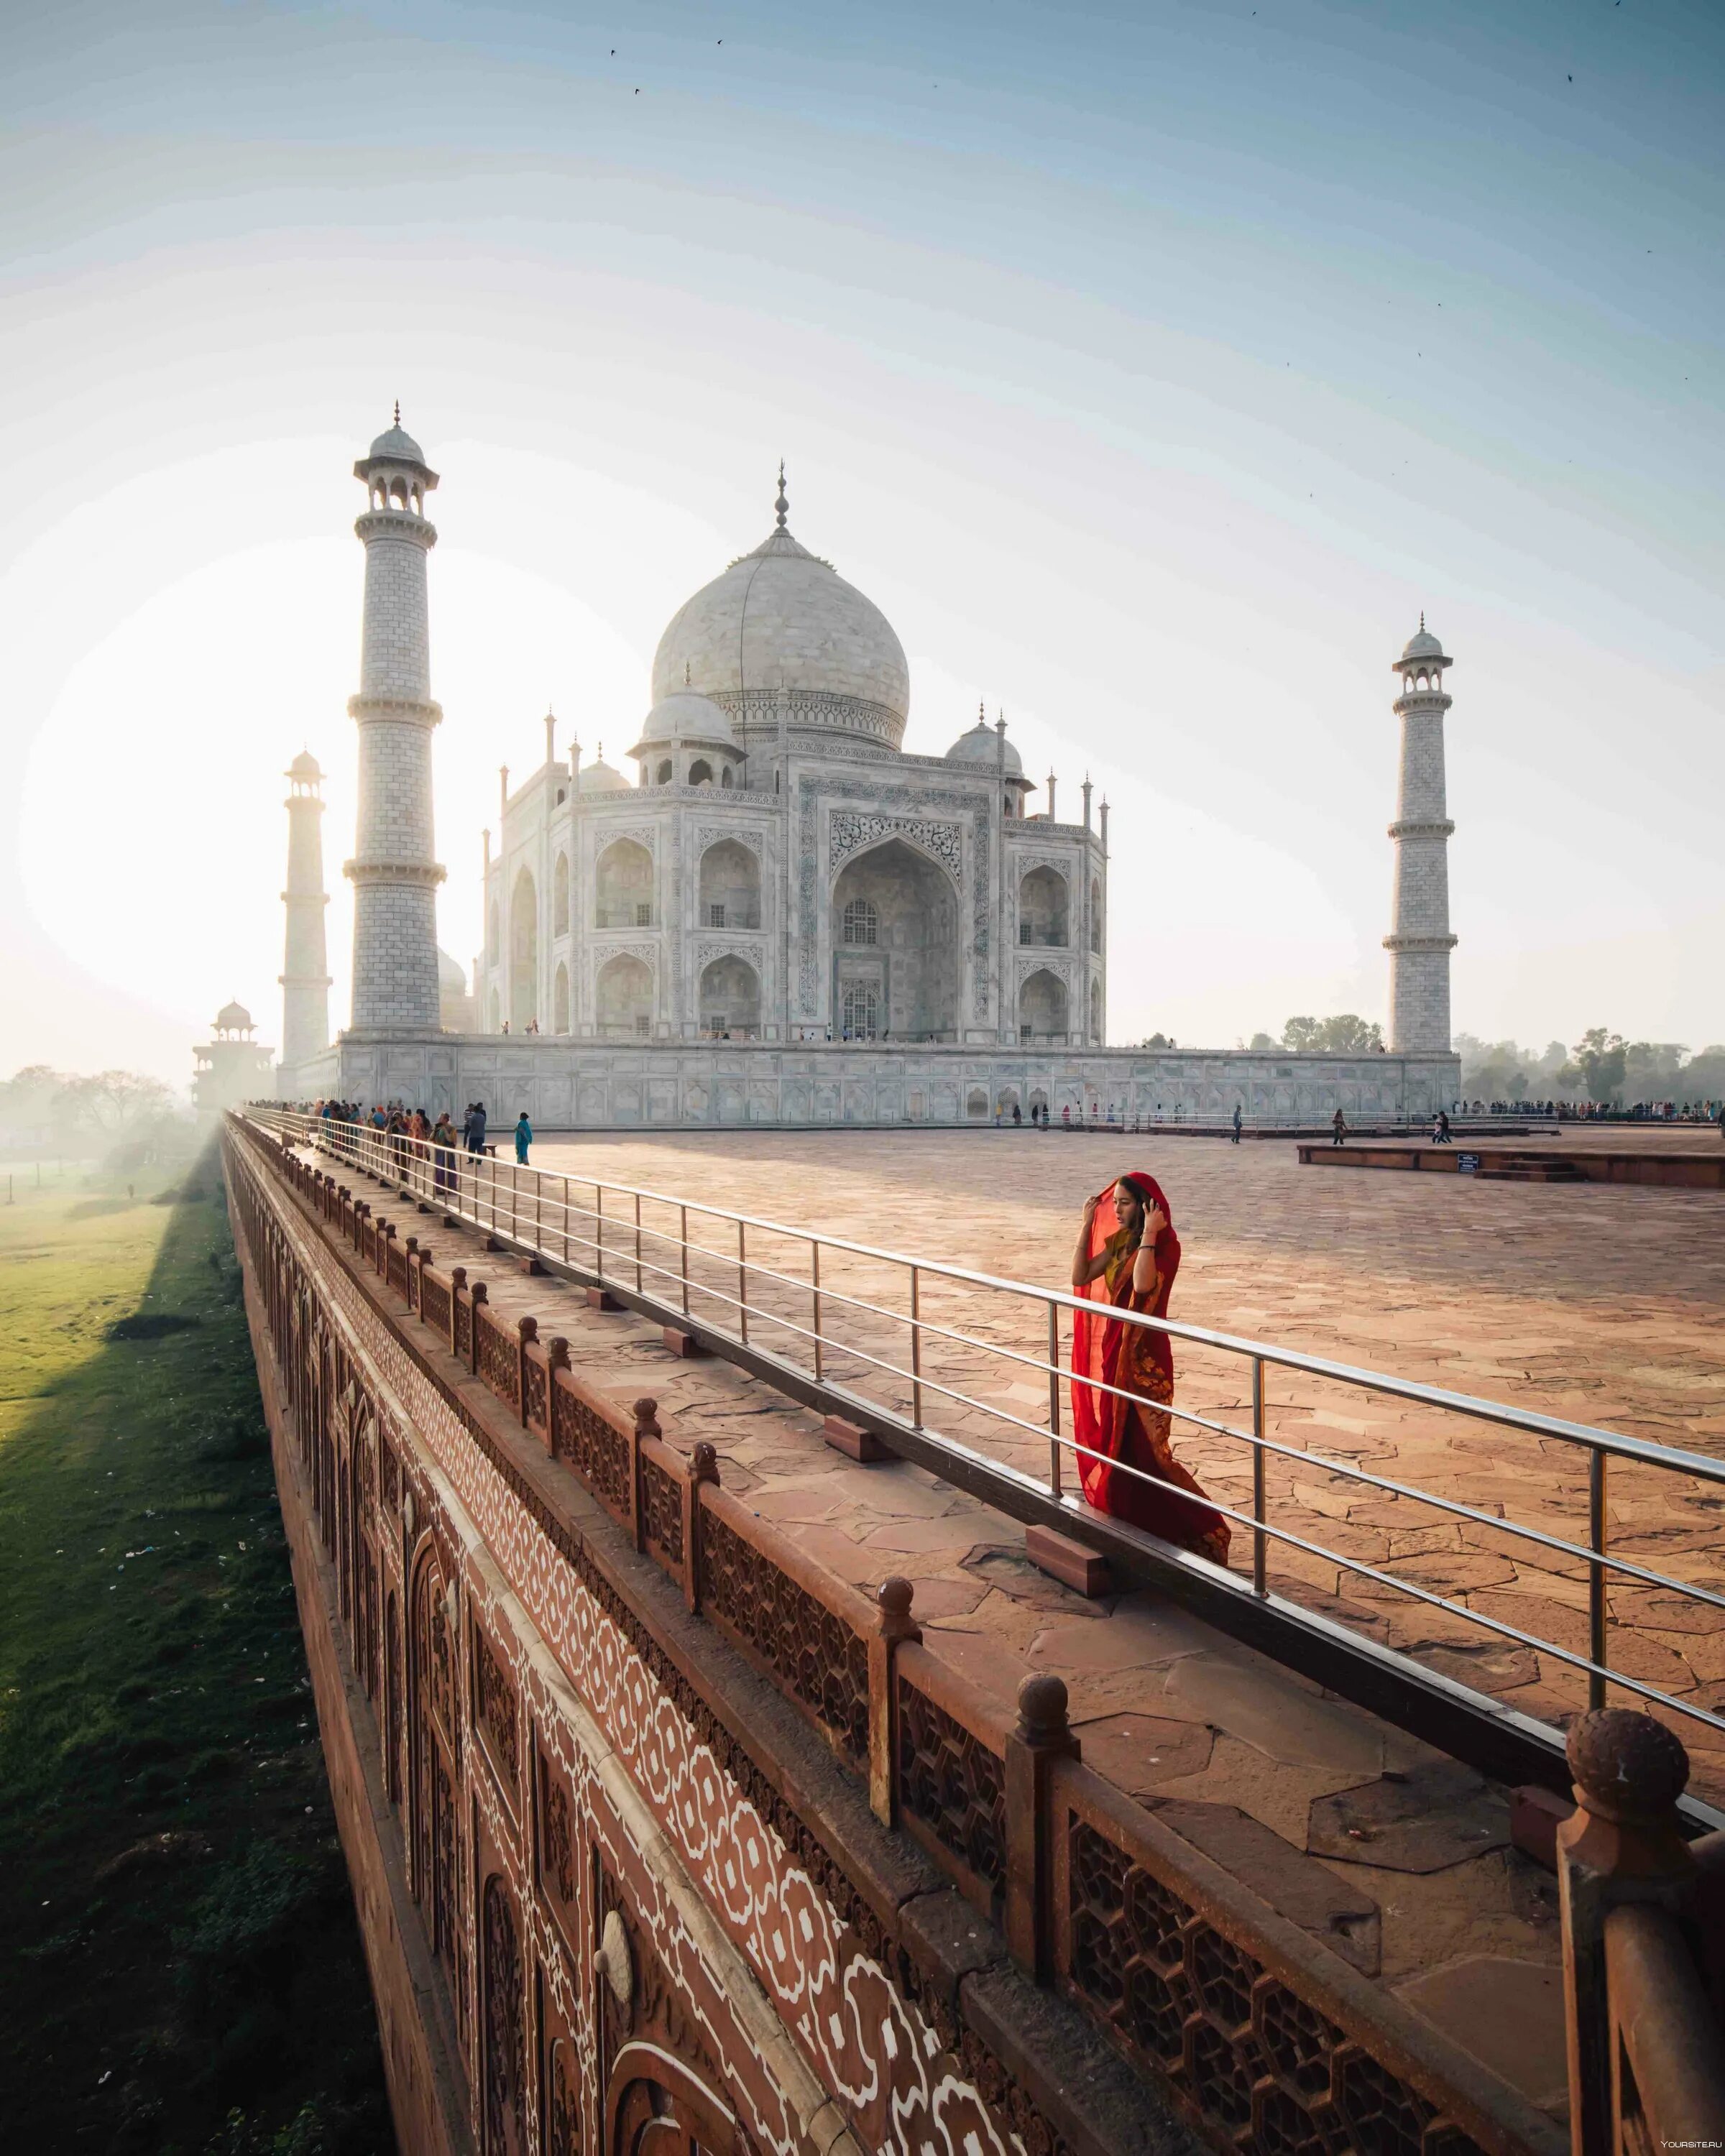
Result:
[[1090, 1208], [1155, 1222]]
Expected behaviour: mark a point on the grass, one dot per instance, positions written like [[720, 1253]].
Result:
[[182, 1971]]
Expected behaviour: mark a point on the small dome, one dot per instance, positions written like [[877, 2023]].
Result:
[[451, 977], [983, 745], [600, 778], [396, 445], [685, 715], [234, 1018], [305, 766], [1422, 644]]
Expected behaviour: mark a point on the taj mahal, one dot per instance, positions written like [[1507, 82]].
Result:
[[778, 915]]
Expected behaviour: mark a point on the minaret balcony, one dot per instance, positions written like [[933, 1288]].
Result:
[[1421, 827], [398, 710]]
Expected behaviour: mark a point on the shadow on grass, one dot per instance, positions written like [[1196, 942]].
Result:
[[182, 1972]]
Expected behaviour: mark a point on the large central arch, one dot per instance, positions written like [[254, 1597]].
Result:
[[896, 961]]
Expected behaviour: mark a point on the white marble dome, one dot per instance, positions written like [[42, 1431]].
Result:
[[782, 620], [600, 777], [1422, 644], [451, 974], [983, 745], [685, 715], [396, 445]]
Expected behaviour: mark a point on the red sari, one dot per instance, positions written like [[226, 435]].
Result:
[[1140, 1361]]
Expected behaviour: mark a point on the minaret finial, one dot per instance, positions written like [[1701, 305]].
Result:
[[1422, 620], [398, 411], [688, 678], [781, 506]]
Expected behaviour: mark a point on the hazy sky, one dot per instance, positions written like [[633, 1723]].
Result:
[[1150, 367]]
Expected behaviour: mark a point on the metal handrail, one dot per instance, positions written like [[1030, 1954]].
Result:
[[477, 1178]]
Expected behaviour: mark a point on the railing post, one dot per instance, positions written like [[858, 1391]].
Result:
[[916, 1346], [646, 1413], [814, 1283], [1260, 1540], [742, 1284], [556, 1358], [458, 1283], [637, 1242], [1053, 1399], [893, 1622], [386, 1236], [703, 1468], [526, 1329], [565, 1220], [1598, 1609], [1622, 1844], [599, 1233], [477, 1296], [1043, 1736], [685, 1247]]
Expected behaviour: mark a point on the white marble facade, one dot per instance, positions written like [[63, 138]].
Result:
[[780, 916], [779, 870]]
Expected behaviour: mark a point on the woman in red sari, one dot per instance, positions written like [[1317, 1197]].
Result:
[[1127, 1256]]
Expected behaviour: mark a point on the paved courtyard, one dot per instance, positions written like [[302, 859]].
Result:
[[1599, 1304]]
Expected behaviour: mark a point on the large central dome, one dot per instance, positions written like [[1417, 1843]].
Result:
[[781, 632]]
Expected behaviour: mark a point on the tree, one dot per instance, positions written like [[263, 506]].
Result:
[[113, 1100], [1345, 1034], [1262, 1045], [1600, 1057]]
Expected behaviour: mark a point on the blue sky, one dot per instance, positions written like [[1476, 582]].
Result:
[[1151, 368]]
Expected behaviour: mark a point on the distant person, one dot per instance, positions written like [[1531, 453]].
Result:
[[1017, 1115], [1338, 1128], [476, 1127], [523, 1139], [442, 1154], [1238, 1119]]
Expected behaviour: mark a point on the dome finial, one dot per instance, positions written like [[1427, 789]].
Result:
[[398, 411], [1422, 618], [688, 679], [781, 506]]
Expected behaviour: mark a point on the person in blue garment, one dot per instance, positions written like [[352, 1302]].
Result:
[[523, 1138]]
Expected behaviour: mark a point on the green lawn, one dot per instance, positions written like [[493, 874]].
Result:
[[181, 1970]]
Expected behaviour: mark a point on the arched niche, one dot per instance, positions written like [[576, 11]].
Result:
[[1043, 1012], [523, 952], [1042, 909], [560, 897], [623, 887], [730, 886], [623, 998], [1095, 915], [730, 999], [1096, 1013], [912, 971], [560, 1000]]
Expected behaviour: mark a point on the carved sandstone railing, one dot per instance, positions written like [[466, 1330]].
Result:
[[1267, 2038], [1644, 1947]]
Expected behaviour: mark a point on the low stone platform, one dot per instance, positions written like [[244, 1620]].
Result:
[[1494, 1161], [1375, 1847]]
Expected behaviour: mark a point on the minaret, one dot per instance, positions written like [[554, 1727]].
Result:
[[1420, 941], [395, 878], [306, 979]]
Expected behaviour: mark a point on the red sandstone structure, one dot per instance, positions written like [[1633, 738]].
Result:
[[665, 1837]]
